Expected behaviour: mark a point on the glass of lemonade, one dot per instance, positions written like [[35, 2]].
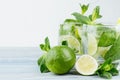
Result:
[[101, 42]]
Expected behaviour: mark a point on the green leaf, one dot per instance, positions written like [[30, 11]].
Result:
[[70, 21], [40, 60], [42, 46], [107, 69], [96, 14], [46, 46], [107, 65], [41, 63], [114, 71], [114, 51], [83, 19], [65, 43], [90, 17], [106, 75], [84, 8], [107, 38]]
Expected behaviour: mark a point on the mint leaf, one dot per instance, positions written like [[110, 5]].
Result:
[[84, 8], [65, 43], [114, 71], [107, 38], [107, 69], [46, 46], [41, 63], [96, 14], [114, 51], [42, 46], [47, 43], [40, 60], [107, 65], [106, 75], [82, 19], [70, 20]]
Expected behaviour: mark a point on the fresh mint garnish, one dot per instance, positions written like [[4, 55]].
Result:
[[81, 18], [84, 19], [46, 46], [84, 8], [107, 38], [65, 43], [114, 51], [96, 14], [41, 61], [107, 69]]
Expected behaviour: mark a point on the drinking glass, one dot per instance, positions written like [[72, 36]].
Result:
[[95, 40]]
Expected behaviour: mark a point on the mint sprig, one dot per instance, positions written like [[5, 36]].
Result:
[[46, 46], [42, 65], [41, 61], [81, 18], [107, 69], [84, 8], [96, 14], [84, 19]]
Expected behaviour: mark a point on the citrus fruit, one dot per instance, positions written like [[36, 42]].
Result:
[[73, 43], [103, 50], [92, 44], [86, 65], [60, 59]]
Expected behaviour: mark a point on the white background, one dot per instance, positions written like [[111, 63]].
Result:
[[27, 22]]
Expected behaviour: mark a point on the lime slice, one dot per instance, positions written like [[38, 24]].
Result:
[[103, 50], [86, 65], [92, 44], [73, 43]]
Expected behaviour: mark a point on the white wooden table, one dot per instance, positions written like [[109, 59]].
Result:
[[20, 64]]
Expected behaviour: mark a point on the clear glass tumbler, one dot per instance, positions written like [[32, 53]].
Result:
[[101, 42]]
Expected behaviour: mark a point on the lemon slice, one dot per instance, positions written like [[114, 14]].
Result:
[[86, 65], [72, 42], [92, 44]]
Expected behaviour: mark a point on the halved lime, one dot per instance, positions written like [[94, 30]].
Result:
[[86, 65], [73, 43], [92, 44]]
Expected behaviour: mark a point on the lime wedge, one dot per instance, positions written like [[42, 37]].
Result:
[[103, 50], [73, 43], [86, 65], [92, 44]]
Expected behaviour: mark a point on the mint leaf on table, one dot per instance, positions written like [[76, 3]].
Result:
[[81, 18], [114, 71], [84, 8], [41, 61], [107, 69], [96, 14], [114, 51], [106, 75]]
